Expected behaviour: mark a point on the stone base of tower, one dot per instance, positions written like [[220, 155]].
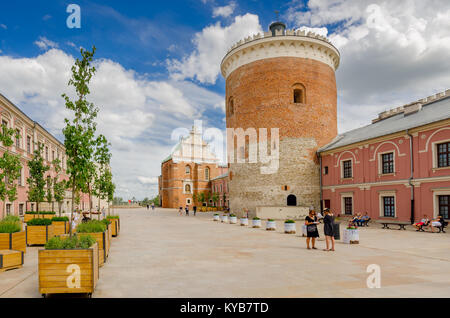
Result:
[[297, 175]]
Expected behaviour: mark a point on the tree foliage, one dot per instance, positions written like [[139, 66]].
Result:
[[36, 180]]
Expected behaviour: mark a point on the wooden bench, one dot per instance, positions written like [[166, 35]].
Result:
[[386, 224], [10, 259]]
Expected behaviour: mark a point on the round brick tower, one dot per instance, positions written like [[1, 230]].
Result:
[[281, 79]]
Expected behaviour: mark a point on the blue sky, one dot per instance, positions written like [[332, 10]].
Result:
[[158, 63]]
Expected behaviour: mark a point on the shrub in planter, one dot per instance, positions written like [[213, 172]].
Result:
[[233, 219], [271, 225], [97, 229], [60, 225], [216, 217], [256, 222], [11, 235], [61, 258], [244, 221], [39, 231], [224, 218], [115, 224], [289, 227]]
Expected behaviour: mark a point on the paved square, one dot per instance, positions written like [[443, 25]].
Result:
[[162, 254]]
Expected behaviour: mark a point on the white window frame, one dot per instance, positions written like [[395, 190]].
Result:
[[347, 195], [380, 163], [381, 195], [342, 168], [436, 194], [188, 169], [434, 154], [188, 201], [207, 175]]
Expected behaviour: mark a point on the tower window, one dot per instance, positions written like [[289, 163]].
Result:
[[188, 169], [207, 174], [299, 93], [231, 106], [291, 200]]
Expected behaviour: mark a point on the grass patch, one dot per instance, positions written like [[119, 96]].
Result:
[[92, 226], [58, 243], [289, 221], [39, 222], [9, 227], [60, 219], [110, 217], [40, 212]]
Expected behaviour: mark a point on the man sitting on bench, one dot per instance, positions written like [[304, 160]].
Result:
[[438, 222], [424, 222], [365, 220]]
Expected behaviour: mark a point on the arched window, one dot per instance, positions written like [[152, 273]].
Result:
[[291, 200], [299, 93], [188, 169], [230, 106], [207, 173], [187, 188]]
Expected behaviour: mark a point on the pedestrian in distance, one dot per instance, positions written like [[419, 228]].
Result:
[[180, 211], [195, 209], [187, 210], [147, 206], [311, 229], [328, 228], [153, 206]]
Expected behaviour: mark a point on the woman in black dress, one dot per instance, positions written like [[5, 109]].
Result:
[[311, 229], [328, 228]]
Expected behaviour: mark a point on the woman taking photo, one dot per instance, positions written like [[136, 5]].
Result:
[[328, 228], [311, 229]]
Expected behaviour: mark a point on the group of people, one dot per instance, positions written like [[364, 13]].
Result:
[[360, 220], [186, 210], [311, 222], [153, 206], [426, 222]]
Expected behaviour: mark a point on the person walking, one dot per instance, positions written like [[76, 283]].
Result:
[[153, 206], [187, 210], [180, 211], [328, 228], [147, 206], [195, 209], [311, 229]]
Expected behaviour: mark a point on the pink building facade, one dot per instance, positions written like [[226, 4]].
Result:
[[398, 167], [219, 185]]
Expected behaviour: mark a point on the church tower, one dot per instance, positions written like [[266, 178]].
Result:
[[281, 79]]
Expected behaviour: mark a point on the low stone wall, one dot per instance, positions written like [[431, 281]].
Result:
[[282, 212]]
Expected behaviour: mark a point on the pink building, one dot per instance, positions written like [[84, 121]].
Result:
[[219, 185], [397, 167]]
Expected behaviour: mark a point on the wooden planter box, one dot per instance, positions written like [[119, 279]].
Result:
[[60, 227], [115, 226], [13, 241], [54, 270], [103, 245], [28, 217], [109, 233], [38, 234], [10, 260]]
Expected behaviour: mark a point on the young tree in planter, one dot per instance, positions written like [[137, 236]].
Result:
[[49, 194], [215, 197], [102, 157], [36, 181], [79, 132], [201, 197], [10, 167], [59, 187], [110, 187]]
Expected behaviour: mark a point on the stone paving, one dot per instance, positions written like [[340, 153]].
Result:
[[162, 254]]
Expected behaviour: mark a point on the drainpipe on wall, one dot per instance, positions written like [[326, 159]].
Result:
[[412, 173], [320, 180]]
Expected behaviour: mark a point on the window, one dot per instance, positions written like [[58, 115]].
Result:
[[187, 188], [347, 168], [8, 209], [444, 206], [443, 155], [53, 155], [21, 209], [32, 206], [325, 170], [46, 153], [19, 181], [231, 106], [28, 144], [188, 169], [389, 207], [17, 138], [221, 189], [348, 205], [387, 162], [207, 174], [299, 93], [291, 200]]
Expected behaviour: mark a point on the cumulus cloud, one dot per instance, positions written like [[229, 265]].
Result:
[[392, 52], [224, 11], [210, 46], [44, 44], [137, 115]]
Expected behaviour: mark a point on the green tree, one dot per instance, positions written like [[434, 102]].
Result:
[[36, 180], [49, 194], [10, 168], [79, 132], [201, 197], [215, 197], [59, 187], [103, 176]]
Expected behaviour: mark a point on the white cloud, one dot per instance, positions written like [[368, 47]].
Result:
[[224, 11], [44, 44], [137, 115], [392, 52], [203, 64], [3, 26], [147, 180]]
